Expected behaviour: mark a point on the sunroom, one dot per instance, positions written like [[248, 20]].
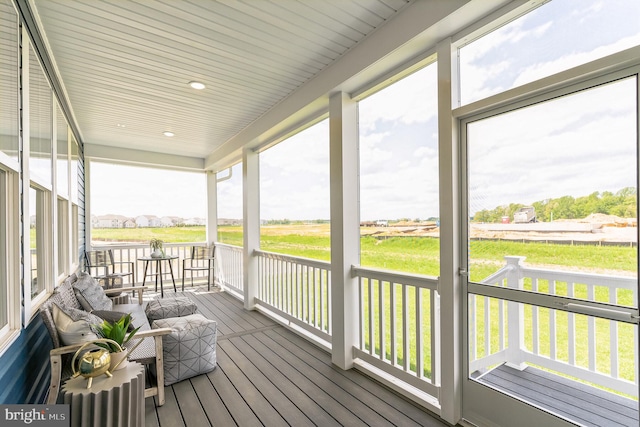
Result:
[[394, 145]]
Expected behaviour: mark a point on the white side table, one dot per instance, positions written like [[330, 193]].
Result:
[[110, 402]]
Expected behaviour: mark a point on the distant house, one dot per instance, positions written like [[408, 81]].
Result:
[[229, 221], [194, 221], [166, 221], [142, 221], [111, 221], [129, 223], [148, 221]]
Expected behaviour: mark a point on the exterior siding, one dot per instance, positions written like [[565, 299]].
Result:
[[24, 367]]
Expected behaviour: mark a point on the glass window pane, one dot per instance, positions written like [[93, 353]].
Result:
[[399, 195], [9, 79], [556, 183], [62, 162], [40, 111], [554, 37]]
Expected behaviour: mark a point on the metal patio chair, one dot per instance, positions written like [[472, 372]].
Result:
[[202, 259]]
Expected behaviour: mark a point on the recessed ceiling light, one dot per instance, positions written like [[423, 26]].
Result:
[[168, 133], [197, 85], [120, 125]]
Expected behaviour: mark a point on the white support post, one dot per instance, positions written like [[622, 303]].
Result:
[[515, 315], [449, 287], [251, 220], [345, 226], [212, 207]]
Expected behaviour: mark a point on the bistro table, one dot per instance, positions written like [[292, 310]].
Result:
[[158, 261]]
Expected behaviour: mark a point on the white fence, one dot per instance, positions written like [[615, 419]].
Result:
[[576, 345], [298, 289], [400, 325]]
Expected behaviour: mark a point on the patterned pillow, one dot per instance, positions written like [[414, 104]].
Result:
[[169, 307], [74, 326], [65, 289], [90, 294]]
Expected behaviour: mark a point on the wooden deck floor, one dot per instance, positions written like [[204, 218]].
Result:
[[569, 399], [269, 376]]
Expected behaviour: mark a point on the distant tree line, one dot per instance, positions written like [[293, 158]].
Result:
[[622, 203]]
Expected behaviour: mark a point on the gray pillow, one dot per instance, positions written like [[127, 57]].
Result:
[[90, 294]]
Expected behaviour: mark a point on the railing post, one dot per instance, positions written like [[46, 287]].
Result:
[[515, 315]]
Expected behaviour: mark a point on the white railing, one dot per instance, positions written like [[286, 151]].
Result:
[[297, 289], [576, 345], [228, 267], [400, 325]]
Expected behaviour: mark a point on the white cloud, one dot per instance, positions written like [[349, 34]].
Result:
[[536, 71]]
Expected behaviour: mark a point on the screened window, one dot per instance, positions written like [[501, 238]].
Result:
[[138, 203], [62, 157], [63, 236], [75, 235], [40, 238], [40, 123], [74, 172], [9, 79], [4, 235], [229, 201], [556, 183], [294, 194], [399, 202], [556, 36]]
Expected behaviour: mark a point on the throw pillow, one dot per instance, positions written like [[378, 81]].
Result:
[[90, 294], [74, 326]]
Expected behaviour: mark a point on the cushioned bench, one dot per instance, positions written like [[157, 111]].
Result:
[[77, 297]]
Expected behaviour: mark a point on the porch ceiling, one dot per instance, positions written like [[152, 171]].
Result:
[[125, 65]]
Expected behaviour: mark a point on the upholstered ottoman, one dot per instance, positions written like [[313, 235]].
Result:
[[190, 349], [163, 308]]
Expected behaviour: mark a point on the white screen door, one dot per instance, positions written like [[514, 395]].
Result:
[[551, 260]]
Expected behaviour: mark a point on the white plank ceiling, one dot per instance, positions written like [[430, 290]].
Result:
[[126, 65]]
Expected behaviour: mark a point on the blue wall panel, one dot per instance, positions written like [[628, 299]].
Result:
[[24, 367]]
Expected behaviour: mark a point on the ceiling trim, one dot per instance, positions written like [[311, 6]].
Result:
[[142, 158]]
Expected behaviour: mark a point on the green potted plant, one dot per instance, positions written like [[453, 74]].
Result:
[[121, 331], [156, 248]]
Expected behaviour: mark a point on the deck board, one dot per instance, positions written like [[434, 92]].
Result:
[[268, 375], [564, 397]]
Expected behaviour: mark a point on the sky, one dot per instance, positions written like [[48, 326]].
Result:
[[571, 146]]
